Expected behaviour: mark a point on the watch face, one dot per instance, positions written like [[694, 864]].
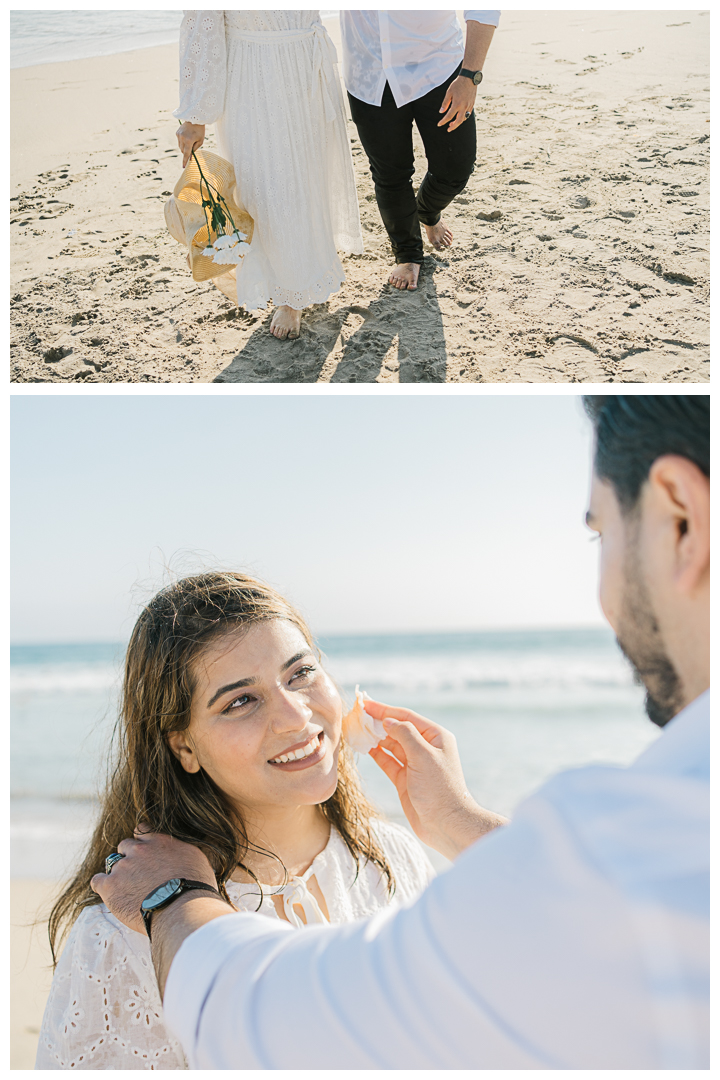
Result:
[[478, 78], [161, 895]]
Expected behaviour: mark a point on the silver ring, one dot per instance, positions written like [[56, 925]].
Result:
[[111, 860], [467, 114]]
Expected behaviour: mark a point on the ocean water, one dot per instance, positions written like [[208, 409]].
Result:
[[523, 706], [46, 37]]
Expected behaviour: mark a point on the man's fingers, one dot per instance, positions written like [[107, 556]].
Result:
[[143, 829], [409, 738], [389, 765], [127, 845], [98, 879], [394, 747], [446, 101], [379, 711]]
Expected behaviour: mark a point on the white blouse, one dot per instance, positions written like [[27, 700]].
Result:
[[104, 1009], [414, 51]]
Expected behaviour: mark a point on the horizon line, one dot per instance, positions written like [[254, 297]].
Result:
[[520, 628]]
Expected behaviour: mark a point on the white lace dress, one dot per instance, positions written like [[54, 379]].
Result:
[[104, 1009], [269, 81]]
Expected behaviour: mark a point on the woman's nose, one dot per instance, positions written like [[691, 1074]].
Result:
[[290, 712]]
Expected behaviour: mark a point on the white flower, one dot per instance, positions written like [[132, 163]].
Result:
[[209, 252], [232, 254], [226, 240], [361, 731]]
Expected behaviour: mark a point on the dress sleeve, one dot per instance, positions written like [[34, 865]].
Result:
[[203, 67], [104, 1009]]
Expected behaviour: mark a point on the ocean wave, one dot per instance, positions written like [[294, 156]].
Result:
[[63, 678], [440, 675], [436, 674]]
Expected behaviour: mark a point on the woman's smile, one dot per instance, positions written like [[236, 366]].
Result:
[[301, 755]]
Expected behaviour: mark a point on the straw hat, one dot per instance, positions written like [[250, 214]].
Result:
[[185, 216]]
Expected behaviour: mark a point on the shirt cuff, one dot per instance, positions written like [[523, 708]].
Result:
[[197, 963], [490, 18]]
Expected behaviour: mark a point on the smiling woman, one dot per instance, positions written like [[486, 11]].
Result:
[[229, 737]]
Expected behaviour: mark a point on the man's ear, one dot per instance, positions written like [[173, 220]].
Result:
[[183, 751], [685, 493]]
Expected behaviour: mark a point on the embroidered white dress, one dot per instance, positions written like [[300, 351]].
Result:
[[104, 1009], [269, 82]]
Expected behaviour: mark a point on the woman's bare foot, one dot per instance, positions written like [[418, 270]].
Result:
[[439, 235], [405, 275], [285, 322]]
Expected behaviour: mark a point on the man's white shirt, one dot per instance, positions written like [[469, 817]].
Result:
[[414, 51], [575, 937]]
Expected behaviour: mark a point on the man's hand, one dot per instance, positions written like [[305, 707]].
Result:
[[425, 768], [458, 101], [190, 137], [150, 860]]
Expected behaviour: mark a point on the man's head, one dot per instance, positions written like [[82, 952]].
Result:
[[650, 504]]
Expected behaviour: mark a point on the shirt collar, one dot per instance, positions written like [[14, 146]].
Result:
[[683, 749]]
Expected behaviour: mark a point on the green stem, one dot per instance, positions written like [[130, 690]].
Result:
[[212, 201]]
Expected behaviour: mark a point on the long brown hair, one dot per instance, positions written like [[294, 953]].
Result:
[[146, 783]]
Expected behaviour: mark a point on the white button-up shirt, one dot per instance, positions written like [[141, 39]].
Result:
[[575, 937], [414, 51]]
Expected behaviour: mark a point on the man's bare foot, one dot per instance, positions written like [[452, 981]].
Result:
[[285, 323], [405, 275], [439, 235]]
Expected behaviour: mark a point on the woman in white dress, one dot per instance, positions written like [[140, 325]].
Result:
[[230, 737], [268, 80]]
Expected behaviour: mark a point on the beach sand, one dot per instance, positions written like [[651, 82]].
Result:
[[581, 242], [30, 971]]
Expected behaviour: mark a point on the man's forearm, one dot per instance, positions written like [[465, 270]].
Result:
[[469, 824], [477, 43], [170, 927]]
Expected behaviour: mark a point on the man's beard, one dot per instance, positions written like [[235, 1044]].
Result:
[[641, 643]]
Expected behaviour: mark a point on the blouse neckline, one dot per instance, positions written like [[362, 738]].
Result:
[[317, 864]]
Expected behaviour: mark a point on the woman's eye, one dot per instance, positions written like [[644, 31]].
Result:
[[237, 703], [302, 673]]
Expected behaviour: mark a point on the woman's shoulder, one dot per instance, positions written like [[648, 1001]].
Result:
[[97, 937]]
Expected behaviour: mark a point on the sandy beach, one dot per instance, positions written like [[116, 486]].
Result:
[[581, 242], [30, 970]]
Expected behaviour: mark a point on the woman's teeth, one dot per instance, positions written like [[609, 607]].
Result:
[[296, 755]]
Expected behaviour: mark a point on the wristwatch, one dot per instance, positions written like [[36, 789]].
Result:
[[165, 894], [476, 76]]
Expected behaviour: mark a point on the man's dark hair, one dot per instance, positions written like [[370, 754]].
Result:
[[632, 431]]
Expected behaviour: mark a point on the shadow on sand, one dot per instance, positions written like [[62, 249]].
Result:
[[399, 337]]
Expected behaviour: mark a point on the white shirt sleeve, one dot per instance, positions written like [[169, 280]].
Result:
[[104, 1009], [491, 18], [574, 938], [203, 67]]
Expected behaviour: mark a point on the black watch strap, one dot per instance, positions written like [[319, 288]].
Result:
[[475, 76], [185, 886]]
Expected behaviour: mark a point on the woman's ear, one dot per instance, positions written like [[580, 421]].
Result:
[[183, 751]]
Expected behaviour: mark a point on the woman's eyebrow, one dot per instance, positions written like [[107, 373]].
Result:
[[230, 686], [294, 659], [249, 682]]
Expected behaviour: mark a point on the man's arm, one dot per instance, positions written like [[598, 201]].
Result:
[[477, 44], [149, 860], [459, 100]]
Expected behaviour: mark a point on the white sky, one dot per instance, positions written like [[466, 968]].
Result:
[[372, 514]]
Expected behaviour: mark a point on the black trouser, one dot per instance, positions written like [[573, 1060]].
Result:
[[386, 134]]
